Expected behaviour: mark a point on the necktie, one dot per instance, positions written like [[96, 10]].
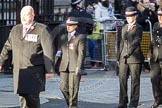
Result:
[[24, 30], [69, 36], [130, 27]]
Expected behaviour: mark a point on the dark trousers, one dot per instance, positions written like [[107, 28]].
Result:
[[29, 100], [156, 80], [69, 86], [91, 48], [134, 70]]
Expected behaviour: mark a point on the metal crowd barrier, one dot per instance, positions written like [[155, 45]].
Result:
[[110, 44], [98, 54], [108, 47]]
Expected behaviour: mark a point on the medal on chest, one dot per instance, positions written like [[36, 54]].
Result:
[[31, 37], [71, 46]]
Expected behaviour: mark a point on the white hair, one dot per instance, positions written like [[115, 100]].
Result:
[[28, 8]]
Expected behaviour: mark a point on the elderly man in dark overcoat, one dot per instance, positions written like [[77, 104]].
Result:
[[33, 60], [130, 59]]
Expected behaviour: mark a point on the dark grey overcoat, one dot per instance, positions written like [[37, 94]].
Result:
[[32, 57], [133, 48]]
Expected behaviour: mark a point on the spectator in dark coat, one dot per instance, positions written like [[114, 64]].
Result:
[[148, 13], [129, 3], [85, 25], [56, 34], [158, 3]]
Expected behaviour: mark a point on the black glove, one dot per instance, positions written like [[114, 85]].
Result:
[[159, 40], [126, 56], [78, 71], [89, 28]]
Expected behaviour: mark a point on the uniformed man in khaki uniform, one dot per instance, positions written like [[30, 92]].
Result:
[[73, 53], [130, 59], [155, 60]]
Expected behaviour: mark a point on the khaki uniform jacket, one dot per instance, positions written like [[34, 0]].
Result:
[[32, 57], [130, 44], [73, 52], [155, 51]]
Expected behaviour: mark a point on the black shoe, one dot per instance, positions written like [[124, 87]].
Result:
[[122, 106]]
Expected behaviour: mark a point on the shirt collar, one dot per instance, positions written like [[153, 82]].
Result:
[[72, 33], [28, 26], [132, 23]]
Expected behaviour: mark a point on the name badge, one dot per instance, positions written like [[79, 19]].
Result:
[[31, 37], [71, 46]]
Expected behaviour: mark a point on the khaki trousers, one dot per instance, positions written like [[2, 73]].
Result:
[[69, 86]]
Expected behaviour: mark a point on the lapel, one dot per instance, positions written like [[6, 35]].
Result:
[[133, 27], [125, 32], [125, 28], [29, 30], [20, 31], [73, 38], [32, 27], [131, 30], [72, 42]]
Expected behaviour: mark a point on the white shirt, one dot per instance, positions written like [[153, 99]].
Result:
[[131, 24], [71, 34]]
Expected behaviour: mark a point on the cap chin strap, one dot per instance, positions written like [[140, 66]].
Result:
[[130, 13]]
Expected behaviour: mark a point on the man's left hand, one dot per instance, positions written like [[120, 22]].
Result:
[[50, 75], [78, 71], [126, 56], [0, 68]]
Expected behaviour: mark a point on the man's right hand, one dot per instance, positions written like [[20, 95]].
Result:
[[78, 71], [50, 75], [0, 68]]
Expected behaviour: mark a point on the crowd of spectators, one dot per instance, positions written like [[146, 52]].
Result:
[[106, 18], [104, 12]]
